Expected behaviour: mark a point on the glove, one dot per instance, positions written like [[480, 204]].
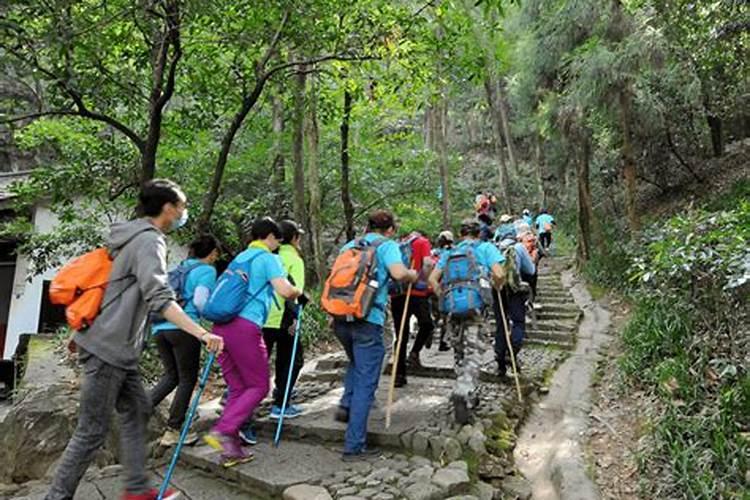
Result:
[[303, 300]]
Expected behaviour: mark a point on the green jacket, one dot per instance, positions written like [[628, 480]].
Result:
[[295, 266]]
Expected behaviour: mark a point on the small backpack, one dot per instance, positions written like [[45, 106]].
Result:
[[350, 288], [461, 282], [177, 280], [399, 287], [232, 293]]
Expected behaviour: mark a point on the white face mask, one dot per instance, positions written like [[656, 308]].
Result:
[[178, 223]]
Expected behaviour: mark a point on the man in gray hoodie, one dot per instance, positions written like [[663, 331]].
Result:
[[109, 351]]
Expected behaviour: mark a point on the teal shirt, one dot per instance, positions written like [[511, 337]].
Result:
[[487, 254], [541, 220], [388, 254], [264, 268], [203, 275]]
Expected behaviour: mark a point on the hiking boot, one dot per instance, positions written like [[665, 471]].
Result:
[[414, 361], [363, 454], [231, 450], [291, 411], [443, 347], [341, 415], [400, 381], [171, 437], [151, 494]]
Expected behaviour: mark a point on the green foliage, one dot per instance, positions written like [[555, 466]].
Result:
[[687, 344]]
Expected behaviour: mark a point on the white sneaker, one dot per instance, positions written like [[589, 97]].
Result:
[[171, 437]]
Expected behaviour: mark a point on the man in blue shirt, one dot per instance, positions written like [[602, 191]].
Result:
[[514, 305], [363, 340], [544, 223], [467, 332]]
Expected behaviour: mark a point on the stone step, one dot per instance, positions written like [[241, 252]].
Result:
[[543, 315], [551, 336], [558, 306], [555, 326], [568, 346]]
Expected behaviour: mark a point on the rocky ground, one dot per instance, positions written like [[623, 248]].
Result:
[[425, 455]]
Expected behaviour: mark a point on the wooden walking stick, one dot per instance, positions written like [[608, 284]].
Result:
[[510, 346], [394, 365]]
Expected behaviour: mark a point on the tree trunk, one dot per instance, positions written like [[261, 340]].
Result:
[[439, 119], [298, 146], [717, 133], [278, 161], [346, 197], [629, 168], [539, 160], [502, 106], [313, 184], [497, 126], [585, 208]]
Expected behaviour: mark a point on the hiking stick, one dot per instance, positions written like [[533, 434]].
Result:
[[297, 330], [186, 424], [510, 347], [394, 365]]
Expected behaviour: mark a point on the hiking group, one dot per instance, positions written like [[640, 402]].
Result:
[[119, 296]]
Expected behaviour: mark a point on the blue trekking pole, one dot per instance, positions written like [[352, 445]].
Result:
[[297, 330], [186, 424]]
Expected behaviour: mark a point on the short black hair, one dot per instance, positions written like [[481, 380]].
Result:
[[264, 226], [381, 220], [289, 230], [155, 194], [470, 227], [202, 246]]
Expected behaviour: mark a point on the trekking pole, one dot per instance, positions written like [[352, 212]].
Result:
[[297, 330], [394, 365], [510, 347], [186, 424]]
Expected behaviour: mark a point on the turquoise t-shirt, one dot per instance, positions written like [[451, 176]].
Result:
[[264, 268], [528, 220], [487, 254], [541, 220], [204, 275], [388, 254]]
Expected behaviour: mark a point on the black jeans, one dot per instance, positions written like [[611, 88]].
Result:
[[545, 239], [180, 354], [105, 388], [284, 343], [514, 305], [419, 307]]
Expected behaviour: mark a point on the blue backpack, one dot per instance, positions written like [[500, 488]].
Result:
[[232, 293], [177, 281], [461, 283], [399, 287]]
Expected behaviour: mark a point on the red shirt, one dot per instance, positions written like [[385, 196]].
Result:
[[421, 249]]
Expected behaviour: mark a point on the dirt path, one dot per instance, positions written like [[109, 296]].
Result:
[[550, 450]]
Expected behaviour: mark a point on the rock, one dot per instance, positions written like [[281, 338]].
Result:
[[306, 492], [418, 461], [423, 491], [476, 443], [464, 497], [351, 497], [451, 480], [422, 473], [466, 432], [406, 440], [336, 488], [483, 491], [368, 493], [383, 496], [517, 487], [420, 442], [452, 449], [372, 483], [437, 444], [459, 464], [351, 490], [359, 481]]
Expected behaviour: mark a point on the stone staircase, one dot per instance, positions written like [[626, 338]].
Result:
[[424, 451]]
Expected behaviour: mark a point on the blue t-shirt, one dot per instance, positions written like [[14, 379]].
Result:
[[541, 220], [487, 254], [507, 230], [528, 219], [204, 275], [264, 268], [388, 254]]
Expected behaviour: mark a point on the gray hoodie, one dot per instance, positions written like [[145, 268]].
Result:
[[137, 286]]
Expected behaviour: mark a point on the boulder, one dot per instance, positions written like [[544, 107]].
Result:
[[306, 492]]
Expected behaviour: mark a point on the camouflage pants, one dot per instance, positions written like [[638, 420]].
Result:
[[467, 336]]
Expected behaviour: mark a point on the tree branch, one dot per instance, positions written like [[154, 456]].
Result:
[[272, 46]]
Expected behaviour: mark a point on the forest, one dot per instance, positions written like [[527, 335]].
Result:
[[627, 119]]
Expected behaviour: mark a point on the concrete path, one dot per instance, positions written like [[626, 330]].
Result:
[[550, 451]]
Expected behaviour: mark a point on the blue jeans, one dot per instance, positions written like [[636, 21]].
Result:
[[363, 343]]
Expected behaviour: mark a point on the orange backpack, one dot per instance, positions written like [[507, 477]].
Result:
[[80, 285], [350, 289]]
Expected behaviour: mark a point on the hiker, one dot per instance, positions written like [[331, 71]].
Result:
[[513, 295], [443, 244], [506, 229], [244, 361], [544, 223], [463, 279], [485, 227], [110, 349], [362, 339], [527, 218], [415, 252], [192, 282]]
